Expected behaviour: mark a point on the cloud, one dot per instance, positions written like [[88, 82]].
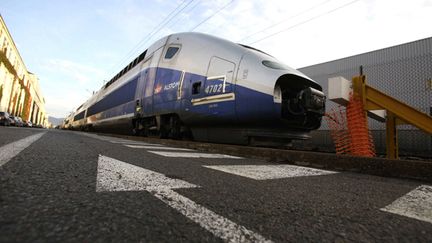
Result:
[[87, 42], [70, 70], [302, 33], [67, 84], [61, 104]]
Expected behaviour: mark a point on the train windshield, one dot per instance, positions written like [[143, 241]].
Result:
[[172, 50]]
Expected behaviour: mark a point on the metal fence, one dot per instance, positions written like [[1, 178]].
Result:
[[403, 71]]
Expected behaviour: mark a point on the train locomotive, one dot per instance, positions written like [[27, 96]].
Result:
[[206, 88]]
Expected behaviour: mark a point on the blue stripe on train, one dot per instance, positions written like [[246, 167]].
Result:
[[248, 105]]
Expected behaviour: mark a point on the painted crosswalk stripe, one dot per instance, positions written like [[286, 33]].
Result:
[[268, 172], [156, 147], [8, 151], [194, 155], [416, 204]]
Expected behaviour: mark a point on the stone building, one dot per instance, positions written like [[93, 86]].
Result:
[[20, 93]]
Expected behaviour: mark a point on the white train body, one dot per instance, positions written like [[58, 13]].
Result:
[[207, 87]]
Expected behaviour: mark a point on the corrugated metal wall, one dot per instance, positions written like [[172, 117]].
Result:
[[403, 71]]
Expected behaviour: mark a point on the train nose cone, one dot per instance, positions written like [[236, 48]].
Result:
[[301, 100]]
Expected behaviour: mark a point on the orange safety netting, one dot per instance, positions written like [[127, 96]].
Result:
[[336, 120], [349, 129]]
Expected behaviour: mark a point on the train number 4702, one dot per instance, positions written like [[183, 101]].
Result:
[[212, 89]]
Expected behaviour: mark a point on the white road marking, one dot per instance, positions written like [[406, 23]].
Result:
[[268, 172], [194, 155], [100, 137], [136, 143], [8, 151], [115, 175], [117, 140], [120, 141], [156, 147], [416, 204]]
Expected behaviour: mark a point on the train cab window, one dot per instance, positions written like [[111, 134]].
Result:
[[171, 51], [196, 87]]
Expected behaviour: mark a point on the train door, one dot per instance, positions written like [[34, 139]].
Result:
[[218, 91], [150, 89], [147, 91], [143, 81], [167, 84]]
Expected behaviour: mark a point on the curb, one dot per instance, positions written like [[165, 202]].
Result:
[[408, 169]]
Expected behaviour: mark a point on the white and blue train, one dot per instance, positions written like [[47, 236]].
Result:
[[201, 86]]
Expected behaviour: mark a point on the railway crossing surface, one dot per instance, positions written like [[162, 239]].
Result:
[[70, 186]]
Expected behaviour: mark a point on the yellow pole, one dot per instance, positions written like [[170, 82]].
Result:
[[391, 137]]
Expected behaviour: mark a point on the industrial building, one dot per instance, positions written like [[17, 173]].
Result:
[[403, 72], [20, 93]]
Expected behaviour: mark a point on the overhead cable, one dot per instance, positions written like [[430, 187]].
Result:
[[284, 20], [211, 16], [167, 19], [182, 17], [304, 22]]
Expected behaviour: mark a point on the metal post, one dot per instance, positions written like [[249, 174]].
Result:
[[359, 88], [391, 137]]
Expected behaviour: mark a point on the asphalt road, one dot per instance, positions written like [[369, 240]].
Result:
[[63, 186]]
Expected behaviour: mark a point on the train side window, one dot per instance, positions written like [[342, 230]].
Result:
[[196, 87], [171, 52]]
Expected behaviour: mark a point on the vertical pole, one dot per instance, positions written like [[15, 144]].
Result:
[[359, 88], [391, 137]]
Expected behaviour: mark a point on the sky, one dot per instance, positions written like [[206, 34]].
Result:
[[75, 46]]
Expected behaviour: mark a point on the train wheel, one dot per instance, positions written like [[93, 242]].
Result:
[[164, 132], [135, 131], [140, 128], [175, 128], [170, 127], [144, 128]]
